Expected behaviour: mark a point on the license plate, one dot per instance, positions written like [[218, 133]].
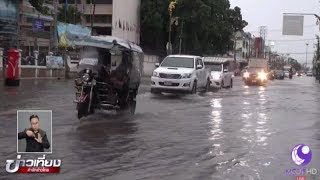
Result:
[[167, 83], [254, 81]]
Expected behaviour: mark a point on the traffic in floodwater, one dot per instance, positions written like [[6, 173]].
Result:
[[159, 90]]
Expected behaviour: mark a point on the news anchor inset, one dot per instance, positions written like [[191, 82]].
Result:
[[36, 138]]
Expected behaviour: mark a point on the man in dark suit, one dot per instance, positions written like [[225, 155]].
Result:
[[35, 137]]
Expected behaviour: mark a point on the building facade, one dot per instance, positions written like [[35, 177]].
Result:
[[126, 20], [119, 18], [9, 10], [36, 31], [259, 47], [243, 45]]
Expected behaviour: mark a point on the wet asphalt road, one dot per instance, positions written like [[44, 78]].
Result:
[[239, 133]]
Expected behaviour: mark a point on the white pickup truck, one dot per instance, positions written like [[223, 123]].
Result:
[[180, 73]]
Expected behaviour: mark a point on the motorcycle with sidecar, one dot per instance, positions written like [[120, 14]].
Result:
[[109, 75]]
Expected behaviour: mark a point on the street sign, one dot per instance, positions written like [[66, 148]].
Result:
[[293, 25], [38, 25]]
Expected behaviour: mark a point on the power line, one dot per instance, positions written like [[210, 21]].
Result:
[[293, 40], [295, 53], [274, 30]]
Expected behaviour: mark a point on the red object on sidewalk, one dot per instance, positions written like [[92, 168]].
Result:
[[12, 78], [13, 64]]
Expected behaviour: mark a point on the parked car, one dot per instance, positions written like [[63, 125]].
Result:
[[270, 75], [299, 73], [286, 74], [279, 74], [309, 73], [221, 71], [180, 74]]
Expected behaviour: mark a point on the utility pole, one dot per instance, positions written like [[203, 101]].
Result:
[[307, 45], [55, 7], [263, 35], [180, 45], [92, 15], [75, 12]]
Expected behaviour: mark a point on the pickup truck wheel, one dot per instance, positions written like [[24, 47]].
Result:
[[194, 88]]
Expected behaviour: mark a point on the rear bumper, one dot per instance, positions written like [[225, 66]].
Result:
[[216, 83]]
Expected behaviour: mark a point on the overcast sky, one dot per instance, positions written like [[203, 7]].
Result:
[[270, 13]]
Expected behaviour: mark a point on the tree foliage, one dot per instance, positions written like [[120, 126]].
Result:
[[70, 15], [38, 5], [208, 25]]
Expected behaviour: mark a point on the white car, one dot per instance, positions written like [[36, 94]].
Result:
[[180, 73], [286, 74], [220, 76], [309, 73]]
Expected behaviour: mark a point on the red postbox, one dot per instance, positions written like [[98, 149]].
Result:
[[12, 78]]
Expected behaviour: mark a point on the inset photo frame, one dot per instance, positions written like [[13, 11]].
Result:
[[34, 131]]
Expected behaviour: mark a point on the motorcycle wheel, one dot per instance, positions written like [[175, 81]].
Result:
[[132, 107], [83, 109]]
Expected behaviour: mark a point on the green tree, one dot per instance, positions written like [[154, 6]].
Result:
[[236, 19], [70, 15], [208, 25], [154, 24]]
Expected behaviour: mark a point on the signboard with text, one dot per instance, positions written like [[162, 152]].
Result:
[[55, 62], [38, 25], [292, 25]]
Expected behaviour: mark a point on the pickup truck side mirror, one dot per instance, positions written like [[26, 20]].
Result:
[[199, 66], [157, 64], [225, 70]]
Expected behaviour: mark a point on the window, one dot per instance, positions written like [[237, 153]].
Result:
[[47, 28], [102, 30], [226, 66], [178, 62], [199, 62], [99, 1], [214, 67], [70, 1], [99, 19]]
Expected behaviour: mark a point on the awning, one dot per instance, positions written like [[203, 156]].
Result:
[[105, 42], [217, 59]]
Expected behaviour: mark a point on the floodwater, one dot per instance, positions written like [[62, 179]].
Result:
[[239, 133]]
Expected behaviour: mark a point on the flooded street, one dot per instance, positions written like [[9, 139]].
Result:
[[239, 133]]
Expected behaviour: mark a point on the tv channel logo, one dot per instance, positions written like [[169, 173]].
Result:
[[301, 155]]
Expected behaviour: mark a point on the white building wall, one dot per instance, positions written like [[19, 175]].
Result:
[[126, 20]]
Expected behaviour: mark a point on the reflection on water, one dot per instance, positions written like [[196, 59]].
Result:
[[262, 89], [215, 123], [262, 119]]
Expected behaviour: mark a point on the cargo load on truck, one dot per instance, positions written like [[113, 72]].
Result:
[[258, 63]]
